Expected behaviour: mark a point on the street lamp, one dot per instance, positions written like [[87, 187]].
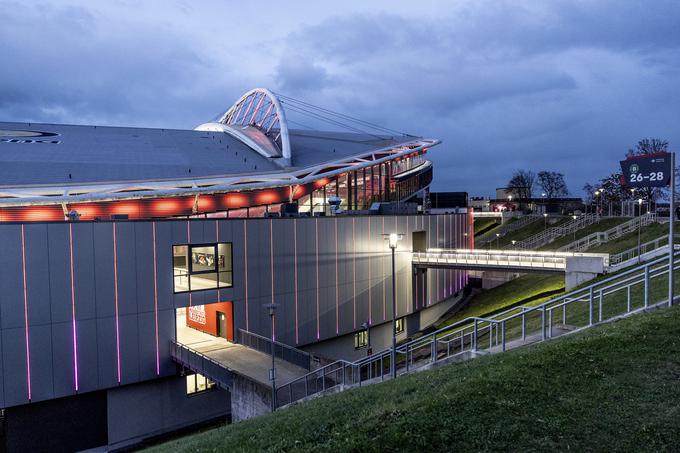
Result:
[[513, 243], [272, 373], [498, 236], [392, 239], [574, 217], [465, 235], [640, 226], [545, 220]]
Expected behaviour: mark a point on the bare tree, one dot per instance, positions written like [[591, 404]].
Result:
[[552, 184], [522, 183]]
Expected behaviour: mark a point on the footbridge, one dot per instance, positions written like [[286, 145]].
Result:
[[577, 267]]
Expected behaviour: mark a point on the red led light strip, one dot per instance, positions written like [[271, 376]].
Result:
[[370, 319], [354, 278], [155, 298], [383, 273], [245, 272], [73, 312], [115, 292], [316, 228], [28, 352], [337, 295], [271, 263], [296, 277]]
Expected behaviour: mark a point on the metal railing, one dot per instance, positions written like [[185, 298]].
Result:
[[638, 251], [282, 351], [518, 259], [501, 231], [552, 233], [628, 292], [200, 363], [602, 237]]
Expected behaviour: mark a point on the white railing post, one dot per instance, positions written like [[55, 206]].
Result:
[[601, 300], [646, 289], [590, 307], [543, 323], [628, 301], [503, 335], [524, 324]]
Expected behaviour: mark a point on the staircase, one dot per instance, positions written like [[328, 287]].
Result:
[[577, 310], [602, 237], [550, 234], [505, 229]]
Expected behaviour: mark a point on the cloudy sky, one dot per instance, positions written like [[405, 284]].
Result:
[[556, 85]]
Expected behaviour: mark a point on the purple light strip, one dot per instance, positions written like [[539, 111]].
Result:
[[28, 352], [155, 299], [115, 292], [73, 312]]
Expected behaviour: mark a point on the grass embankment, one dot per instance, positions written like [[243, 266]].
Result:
[[485, 224], [536, 288], [526, 232], [602, 225], [629, 241], [612, 387]]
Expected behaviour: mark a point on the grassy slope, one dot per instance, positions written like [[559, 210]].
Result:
[[485, 222], [629, 241], [602, 225], [527, 231], [614, 387]]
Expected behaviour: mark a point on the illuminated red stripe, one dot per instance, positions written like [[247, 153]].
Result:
[[189, 242], [73, 312], [316, 228], [296, 278], [369, 273], [271, 261], [354, 278], [245, 259], [155, 298], [396, 276], [383, 274], [337, 284], [28, 352], [437, 271], [115, 292]]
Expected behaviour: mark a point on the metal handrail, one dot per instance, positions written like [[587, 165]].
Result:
[[602, 237], [467, 335], [283, 351], [552, 233]]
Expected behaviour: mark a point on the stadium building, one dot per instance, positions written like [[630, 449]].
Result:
[[121, 246]]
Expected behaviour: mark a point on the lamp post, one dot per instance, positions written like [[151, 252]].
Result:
[[574, 217], [498, 236], [513, 243], [640, 226], [545, 220], [272, 373], [467, 246], [393, 238]]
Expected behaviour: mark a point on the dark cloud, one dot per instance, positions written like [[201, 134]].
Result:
[[562, 85]]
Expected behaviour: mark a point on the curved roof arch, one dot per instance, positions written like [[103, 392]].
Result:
[[261, 110]]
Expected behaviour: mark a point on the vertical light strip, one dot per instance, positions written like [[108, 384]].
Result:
[[245, 265], [396, 275], [155, 298], [337, 283], [318, 314], [217, 240], [115, 292], [429, 244], [271, 264], [451, 244], [383, 273], [295, 275], [73, 311], [438, 271], [370, 283], [189, 248], [354, 277], [28, 352]]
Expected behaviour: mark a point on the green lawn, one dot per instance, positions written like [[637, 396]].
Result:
[[526, 287], [612, 388], [602, 225], [629, 241], [526, 232], [483, 223]]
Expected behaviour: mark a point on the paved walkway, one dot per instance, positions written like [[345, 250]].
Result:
[[237, 358]]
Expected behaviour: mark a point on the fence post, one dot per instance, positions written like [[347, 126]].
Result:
[[323, 379], [474, 337], [490, 335], [524, 325], [550, 315], [434, 348], [646, 286], [601, 299], [503, 335], [290, 392], [628, 298], [590, 307], [564, 313], [543, 323]]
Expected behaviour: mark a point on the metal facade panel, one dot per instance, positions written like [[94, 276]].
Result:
[[88, 371], [14, 375], [83, 270], [40, 345], [129, 349], [144, 266], [127, 270], [104, 281], [11, 278], [62, 359], [37, 274], [59, 252], [164, 281], [107, 357], [147, 345]]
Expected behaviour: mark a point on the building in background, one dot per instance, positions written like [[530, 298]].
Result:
[[120, 245]]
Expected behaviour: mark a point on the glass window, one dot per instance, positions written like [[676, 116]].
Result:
[[361, 339], [199, 267], [197, 383], [400, 324]]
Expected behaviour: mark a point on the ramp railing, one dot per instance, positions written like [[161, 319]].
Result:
[[200, 363], [552, 233], [282, 351], [602, 237], [628, 292]]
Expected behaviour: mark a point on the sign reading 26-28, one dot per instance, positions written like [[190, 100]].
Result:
[[649, 170]]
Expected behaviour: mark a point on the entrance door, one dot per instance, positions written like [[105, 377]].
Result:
[[221, 324]]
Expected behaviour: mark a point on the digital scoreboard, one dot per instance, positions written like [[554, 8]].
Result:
[[650, 170]]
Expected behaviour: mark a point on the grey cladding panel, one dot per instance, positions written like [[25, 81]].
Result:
[[11, 278]]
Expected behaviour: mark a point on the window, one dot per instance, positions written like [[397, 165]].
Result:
[[205, 266], [361, 339], [197, 383], [399, 325]]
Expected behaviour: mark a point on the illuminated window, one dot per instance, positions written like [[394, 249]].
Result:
[[199, 267], [197, 383], [361, 339], [399, 325]]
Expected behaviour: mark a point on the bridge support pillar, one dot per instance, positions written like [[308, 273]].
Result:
[[581, 269], [249, 398], [573, 279]]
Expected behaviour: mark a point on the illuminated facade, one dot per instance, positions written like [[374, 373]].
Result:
[[113, 240]]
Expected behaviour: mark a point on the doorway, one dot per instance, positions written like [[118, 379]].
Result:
[[221, 324]]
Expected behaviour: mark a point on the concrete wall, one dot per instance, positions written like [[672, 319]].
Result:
[[249, 399], [153, 408], [96, 310]]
